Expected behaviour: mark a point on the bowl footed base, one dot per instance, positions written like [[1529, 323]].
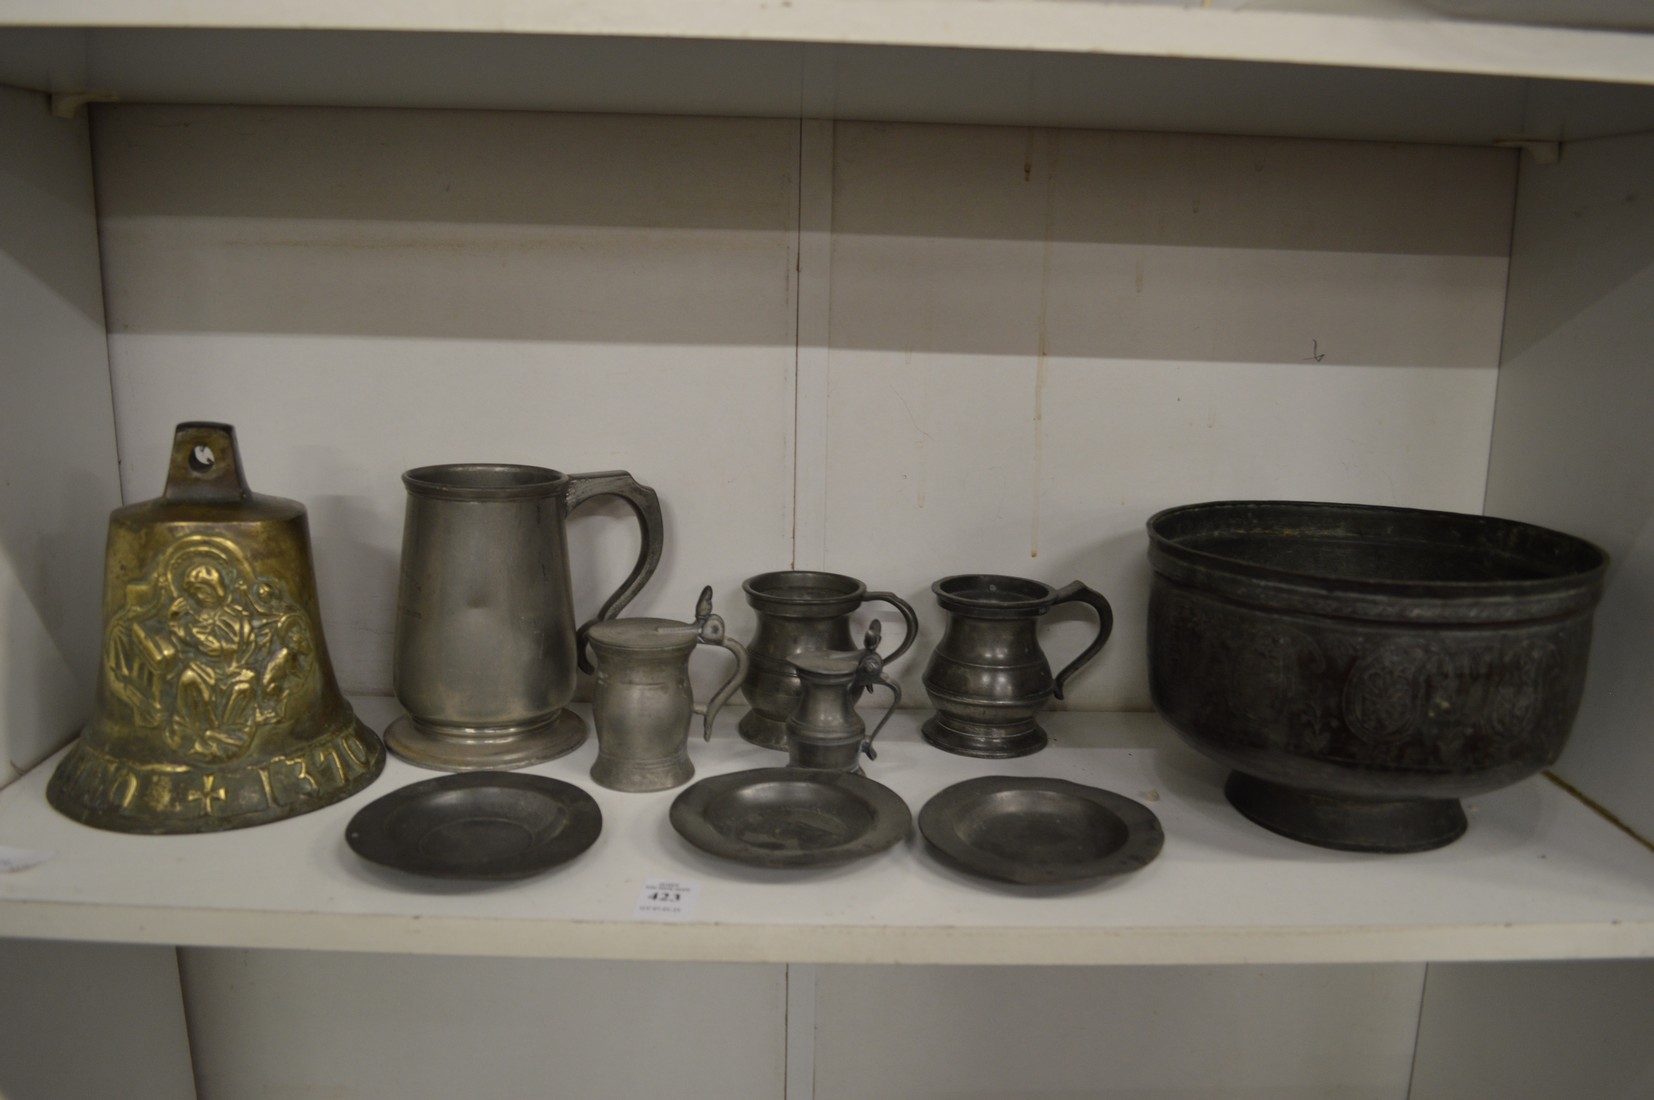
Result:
[[1348, 824]]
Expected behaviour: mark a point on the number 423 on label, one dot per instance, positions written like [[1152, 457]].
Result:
[[666, 900]]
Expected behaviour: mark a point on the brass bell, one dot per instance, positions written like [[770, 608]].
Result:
[[216, 704]]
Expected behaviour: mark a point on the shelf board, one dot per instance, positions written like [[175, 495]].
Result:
[[1380, 34], [1385, 70], [1539, 875]]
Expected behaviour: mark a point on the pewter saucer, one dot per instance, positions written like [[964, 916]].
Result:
[[790, 817], [1034, 831], [478, 825]]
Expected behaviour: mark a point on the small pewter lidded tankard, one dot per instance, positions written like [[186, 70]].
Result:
[[485, 647], [988, 676], [800, 611], [824, 730], [642, 699]]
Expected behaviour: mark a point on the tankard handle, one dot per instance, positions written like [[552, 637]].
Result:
[[713, 633], [1077, 592], [646, 504], [909, 620]]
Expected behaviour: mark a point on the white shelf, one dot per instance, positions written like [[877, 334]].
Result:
[[1379, 34], [1360, 69], [1539, 875]]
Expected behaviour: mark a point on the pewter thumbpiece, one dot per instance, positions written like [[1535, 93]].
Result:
[[642, 700], [485, 647]]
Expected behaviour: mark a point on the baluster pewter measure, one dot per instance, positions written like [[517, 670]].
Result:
[[824, 730], [988, 676], [642, 700]]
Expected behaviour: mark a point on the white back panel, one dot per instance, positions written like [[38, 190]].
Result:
[[365, 291], [1573, 446], [274, 1025], [1121, 1033], [1035, 338], [90, 1021], [1537, 1031], [57, 448], [1041, 337]]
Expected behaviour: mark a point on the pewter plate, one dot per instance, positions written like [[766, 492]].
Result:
[[790, 817], [1034, 831], [477, 825]]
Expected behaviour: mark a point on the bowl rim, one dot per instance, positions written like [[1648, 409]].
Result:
[[1583, 580]]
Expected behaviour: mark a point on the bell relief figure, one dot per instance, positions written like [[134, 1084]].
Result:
[[207, 651]]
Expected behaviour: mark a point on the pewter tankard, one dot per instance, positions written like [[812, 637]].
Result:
[[824, 730], [800, 611], [988, 676], [642, 700], [485, 648]]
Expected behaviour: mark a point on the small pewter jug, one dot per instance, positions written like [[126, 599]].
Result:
[[824, 730], [800, 611], [642, 700], [216, 703], [485, 647], [988, 676]]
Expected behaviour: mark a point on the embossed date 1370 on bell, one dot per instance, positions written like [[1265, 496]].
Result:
[[216, 704]]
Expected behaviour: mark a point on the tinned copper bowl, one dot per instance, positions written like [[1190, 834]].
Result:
[[1361, 669]]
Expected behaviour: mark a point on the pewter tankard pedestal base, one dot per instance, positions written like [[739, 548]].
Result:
[[984, 742], [473, 749]]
